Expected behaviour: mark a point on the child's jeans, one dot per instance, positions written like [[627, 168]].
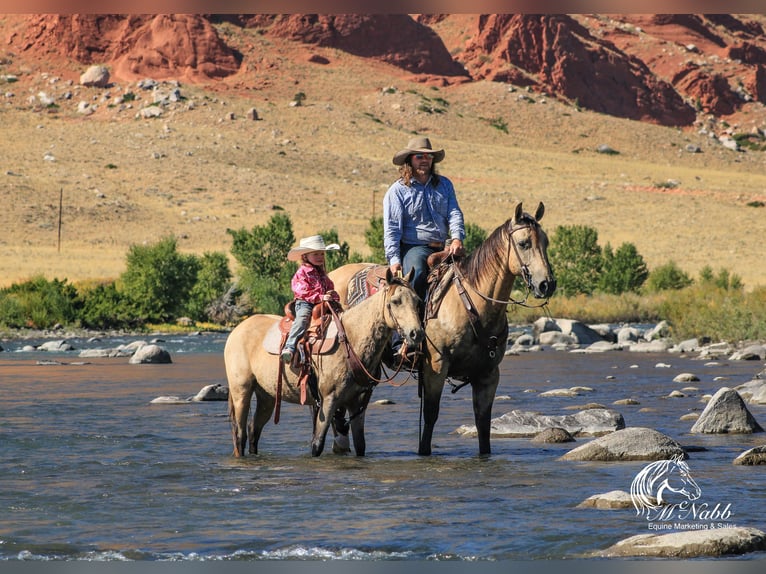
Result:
[[300, 324]]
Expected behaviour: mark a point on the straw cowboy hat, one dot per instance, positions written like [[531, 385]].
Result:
[[418, 145], [308, 245]]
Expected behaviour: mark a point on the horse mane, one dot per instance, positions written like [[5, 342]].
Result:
[[490, 258]]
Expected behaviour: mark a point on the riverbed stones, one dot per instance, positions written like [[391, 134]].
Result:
[[215, 392], [724, 413], [690, 544], [749, 353], [752, 457], [553, 435], [614, 499], [632, 443], [150, 354], [753, 391], [685, 378], [526, 424]]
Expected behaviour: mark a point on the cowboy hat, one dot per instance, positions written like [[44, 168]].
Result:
[[418, 145], [308, 245]]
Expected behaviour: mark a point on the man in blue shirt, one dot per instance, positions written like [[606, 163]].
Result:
[[420, 213]]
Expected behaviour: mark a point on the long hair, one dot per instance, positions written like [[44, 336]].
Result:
[[405, 172]]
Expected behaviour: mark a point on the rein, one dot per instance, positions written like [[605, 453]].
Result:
[[356, 365], [491, 341]]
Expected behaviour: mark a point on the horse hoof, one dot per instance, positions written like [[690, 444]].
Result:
[[341, 445]]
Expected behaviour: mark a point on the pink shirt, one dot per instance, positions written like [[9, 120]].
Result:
[[310, 283]]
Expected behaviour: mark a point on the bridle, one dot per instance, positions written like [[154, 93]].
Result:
[[358, 370], [525, 273]]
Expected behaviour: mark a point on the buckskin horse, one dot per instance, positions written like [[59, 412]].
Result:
[[467, 327], [345, 375]]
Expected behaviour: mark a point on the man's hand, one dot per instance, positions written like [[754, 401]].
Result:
[[456, 248], [396, 269]]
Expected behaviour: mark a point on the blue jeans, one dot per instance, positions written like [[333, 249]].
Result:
[[415, 257], [300, 324]]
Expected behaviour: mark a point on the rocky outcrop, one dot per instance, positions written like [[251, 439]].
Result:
[[396, 39], [161, 46], [556, 54], [150, 354]]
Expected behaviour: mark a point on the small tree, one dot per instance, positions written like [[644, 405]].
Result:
[[213, 280], [158, 280], [335, 259], [576, 259], [373, 236], [265, 272], [666, 277], [474, 236], [623, 270]]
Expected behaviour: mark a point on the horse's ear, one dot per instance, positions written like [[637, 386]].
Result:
[[389, 276], [540, 211], [409, 276], [519, 212]]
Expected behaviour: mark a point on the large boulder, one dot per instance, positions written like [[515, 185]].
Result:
[[150, 354], [754, 391], [95, 76], [690, 544], [633, 443], [726, 413]]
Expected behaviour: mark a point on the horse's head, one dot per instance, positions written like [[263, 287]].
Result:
[[528, 256], [402, 309]]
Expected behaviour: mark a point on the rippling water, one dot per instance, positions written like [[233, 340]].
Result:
[[91, 470]]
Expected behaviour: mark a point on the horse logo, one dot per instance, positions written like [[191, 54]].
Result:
[[662, 486]]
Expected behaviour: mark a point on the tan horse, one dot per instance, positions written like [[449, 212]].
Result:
[[341, 385], [466, 340]]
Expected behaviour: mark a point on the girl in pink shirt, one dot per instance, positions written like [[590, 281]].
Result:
[[310, 285]]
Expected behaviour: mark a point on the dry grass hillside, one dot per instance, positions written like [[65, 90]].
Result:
[[203, 166]]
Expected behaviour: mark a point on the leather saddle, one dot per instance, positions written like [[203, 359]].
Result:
[[321, 336]]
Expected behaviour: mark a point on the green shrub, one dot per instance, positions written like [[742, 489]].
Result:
[[104, 307], [213, 280], [39, 303], [158, 280], [576, 259], [667, 276], [623, 270]]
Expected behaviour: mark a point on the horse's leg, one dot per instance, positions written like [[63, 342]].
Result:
[[483, 393], [264, 408], [326, 412], [340, 443], [239, 410], [357, 432], [432, 386]]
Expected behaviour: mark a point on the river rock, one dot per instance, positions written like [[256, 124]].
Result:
[[656, 346], [150, 354], [633, 443], [518, 423], [726, 412], [753, 456], [102, 353], [753, 391], [553, 435], [608, 500], [216, 392], [628, 335], [685, 378], [749, 353], [55, 346], [690, 544]]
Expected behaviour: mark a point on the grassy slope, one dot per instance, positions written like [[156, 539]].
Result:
[[194, 173]]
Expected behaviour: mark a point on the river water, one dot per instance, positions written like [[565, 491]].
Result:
[[91, 470]]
